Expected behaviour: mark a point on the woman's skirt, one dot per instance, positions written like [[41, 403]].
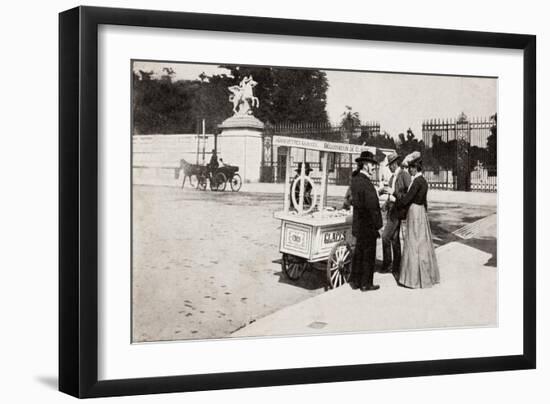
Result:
[[418, 266]]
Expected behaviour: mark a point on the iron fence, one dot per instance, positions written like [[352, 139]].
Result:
[[460, 154], [273, 165]]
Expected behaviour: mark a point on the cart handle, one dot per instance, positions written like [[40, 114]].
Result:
[[313, 195]]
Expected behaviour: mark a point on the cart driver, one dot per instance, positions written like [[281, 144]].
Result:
[[213, 165]]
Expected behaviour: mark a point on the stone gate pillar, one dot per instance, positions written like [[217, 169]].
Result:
[[240, 144]]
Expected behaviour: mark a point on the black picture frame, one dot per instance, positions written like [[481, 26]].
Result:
[[78, 201]]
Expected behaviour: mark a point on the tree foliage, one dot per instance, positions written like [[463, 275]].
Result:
[[162, 105], [353, 132], [350, 122], [166, 106], [285, 94], [492, 145], [408, 143], [370, 138], [445, 155]]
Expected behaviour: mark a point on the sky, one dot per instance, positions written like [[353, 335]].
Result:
[[400, 101], [397, 101]]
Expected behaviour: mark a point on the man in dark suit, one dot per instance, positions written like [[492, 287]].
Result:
[[397, 187], [367, 221]]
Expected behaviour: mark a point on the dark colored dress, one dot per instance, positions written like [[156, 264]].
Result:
[[419, 267]]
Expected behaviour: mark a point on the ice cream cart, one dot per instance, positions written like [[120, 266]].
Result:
[[312, 234]]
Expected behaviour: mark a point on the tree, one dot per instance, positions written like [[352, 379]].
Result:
[[211, 102], [349, 123], [145, 76], [492, 147], [442, 155], [168, 74], [369, 138], [433, 156], [462, 118], [477, 155], [408, 144], [286, 95], [162, 105]]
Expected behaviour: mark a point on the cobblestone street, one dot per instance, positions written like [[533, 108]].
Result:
[[206, 264]]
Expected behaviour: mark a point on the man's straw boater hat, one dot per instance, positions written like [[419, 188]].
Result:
[[393, 157], [366, 156]]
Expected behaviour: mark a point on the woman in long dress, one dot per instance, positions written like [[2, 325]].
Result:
[[419, 265]]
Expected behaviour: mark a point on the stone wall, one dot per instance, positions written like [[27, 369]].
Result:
[[155, 158]]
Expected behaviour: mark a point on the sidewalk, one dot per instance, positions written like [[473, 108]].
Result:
[[466, 297], [434, 195]]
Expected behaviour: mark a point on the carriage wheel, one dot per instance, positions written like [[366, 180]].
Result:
[[293, 267], [201, 182], [218, 182], [339, 264], [236, 182]]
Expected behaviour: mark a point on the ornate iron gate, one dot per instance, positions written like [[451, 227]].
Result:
[[460, 154]]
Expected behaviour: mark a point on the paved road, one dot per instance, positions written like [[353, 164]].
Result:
[[206, 264]]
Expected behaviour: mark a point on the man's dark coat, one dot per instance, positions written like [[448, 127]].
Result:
[[367, 219]]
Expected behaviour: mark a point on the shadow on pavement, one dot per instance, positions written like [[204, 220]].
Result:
[[315, 277], [311, 279], [487, 244]]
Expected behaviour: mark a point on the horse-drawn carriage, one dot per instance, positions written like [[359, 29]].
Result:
[[219, 178], [204, 175], [243, 99]]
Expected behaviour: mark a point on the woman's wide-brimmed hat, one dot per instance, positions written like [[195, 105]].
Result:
[[393, 157], [412, 159], [308, 168], [366, 156]]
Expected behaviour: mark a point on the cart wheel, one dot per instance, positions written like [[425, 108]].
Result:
[[339, 264], [236, 182], [293, 267], [219, 182], [201, 182]]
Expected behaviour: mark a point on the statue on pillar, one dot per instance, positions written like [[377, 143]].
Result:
[[242, 96]]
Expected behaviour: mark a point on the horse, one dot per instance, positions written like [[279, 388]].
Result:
[[188, 170], [243, 94]]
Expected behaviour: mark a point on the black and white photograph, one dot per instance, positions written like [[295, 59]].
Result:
[[275, 202], [282, 201]]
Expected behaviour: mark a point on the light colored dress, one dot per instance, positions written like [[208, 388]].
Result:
[[419, 267]]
